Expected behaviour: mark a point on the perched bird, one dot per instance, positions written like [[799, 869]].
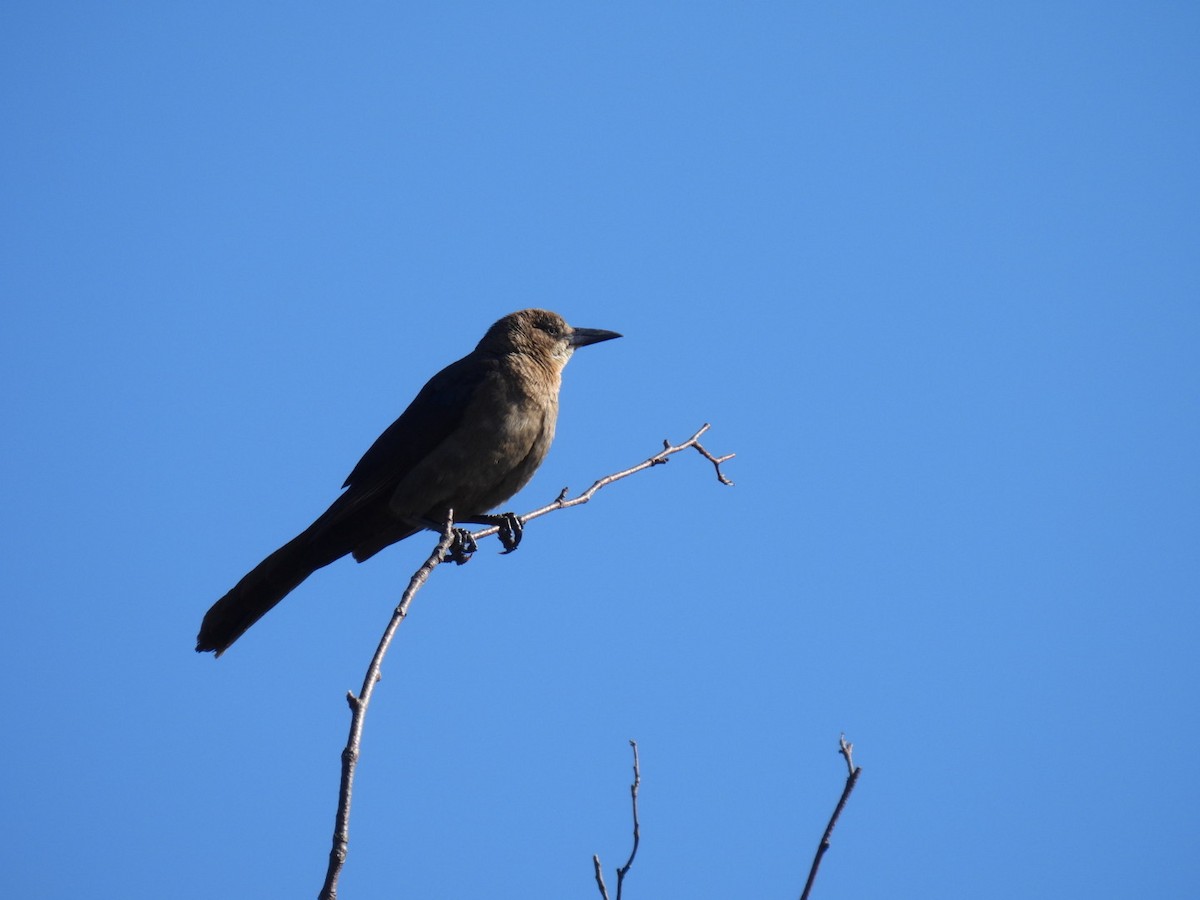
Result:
[[472, 438]]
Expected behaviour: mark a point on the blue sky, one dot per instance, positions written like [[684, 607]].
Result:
[[930, 270]]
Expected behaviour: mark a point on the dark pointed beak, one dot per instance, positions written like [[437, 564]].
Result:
[[581, 337]]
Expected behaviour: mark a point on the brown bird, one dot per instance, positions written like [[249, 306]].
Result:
[[472, 438]]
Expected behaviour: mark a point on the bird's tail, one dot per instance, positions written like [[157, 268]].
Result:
[[254, 596]]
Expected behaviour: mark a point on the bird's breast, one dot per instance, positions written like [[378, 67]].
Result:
[[501, 440]]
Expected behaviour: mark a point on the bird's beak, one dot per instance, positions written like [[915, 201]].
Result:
[[581, 337]]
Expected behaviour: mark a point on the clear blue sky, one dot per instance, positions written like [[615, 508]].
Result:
[[931, 271]]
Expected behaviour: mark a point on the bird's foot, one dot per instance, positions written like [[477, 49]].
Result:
[[462, 547], [511, 531]]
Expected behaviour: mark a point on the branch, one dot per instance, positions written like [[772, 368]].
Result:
[[845, 749], [661, 458], [358, 704], [599, 876], [358, 712], [624, 870]]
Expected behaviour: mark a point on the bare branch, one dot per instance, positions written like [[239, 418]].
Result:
[[599, 876], [658, 459], [358, 704], [358, 707], [633, 792], [624, 870], [845, 749]]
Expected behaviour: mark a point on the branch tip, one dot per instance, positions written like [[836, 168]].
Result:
[[845, 748], [599, 876]]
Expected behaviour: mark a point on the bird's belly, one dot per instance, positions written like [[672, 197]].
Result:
[[480, 466], [513, 453]]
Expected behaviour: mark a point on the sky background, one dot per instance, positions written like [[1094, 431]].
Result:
[[931, 270]]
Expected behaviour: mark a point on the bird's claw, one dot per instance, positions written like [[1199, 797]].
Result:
[[462, 546], [511, 531]]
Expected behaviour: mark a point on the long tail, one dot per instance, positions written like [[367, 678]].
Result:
[[268, 583]]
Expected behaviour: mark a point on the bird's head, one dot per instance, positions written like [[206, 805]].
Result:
[[541, 334]]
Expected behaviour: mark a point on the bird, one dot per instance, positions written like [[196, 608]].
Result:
[[471, 438]]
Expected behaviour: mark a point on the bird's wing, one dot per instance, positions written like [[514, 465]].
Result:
[[434, 414]]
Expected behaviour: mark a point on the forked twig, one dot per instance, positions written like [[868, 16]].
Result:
[[637, 836]]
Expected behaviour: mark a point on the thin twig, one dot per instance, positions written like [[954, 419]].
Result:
[[845, 749], [633, 792], [657, 460], [599, 876], [637, 837], [358, 712]]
